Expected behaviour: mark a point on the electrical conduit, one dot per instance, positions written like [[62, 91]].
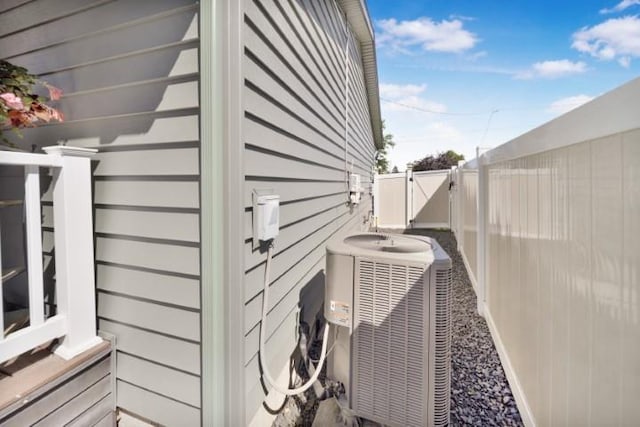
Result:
[[263, 332]]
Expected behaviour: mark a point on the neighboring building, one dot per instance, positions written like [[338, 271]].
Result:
[[192, 107]]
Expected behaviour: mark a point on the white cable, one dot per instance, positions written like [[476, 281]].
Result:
[[263, 332], [346, 106]]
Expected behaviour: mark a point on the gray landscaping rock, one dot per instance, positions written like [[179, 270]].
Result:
[[480, 394], [330, 413]]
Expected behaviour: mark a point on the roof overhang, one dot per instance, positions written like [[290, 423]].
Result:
[[358, 18]]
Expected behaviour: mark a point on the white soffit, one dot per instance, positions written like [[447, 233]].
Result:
[[358, 18]]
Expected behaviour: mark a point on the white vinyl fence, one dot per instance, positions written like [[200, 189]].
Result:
[[548, 225], [464, 202], [413, 199]]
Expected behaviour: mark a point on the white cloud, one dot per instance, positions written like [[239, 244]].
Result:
[[415, 104], [477, 55], [417, 133], [443, 36], [465, 67], [553, 69], [398, 97], [624, 4], [444, 133], [394, 91], [564, 105], [625, 61], [465, 17], [614, 38]]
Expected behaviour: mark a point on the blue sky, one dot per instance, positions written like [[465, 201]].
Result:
[[455, 74]]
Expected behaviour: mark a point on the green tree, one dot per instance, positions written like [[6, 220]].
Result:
[[382, 162], [442, 160]]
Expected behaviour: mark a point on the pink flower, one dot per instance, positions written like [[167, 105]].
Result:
[[57, 115], [54, 92], [12, 101]]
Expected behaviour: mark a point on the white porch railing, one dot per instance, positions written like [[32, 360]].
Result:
[[75, 319]]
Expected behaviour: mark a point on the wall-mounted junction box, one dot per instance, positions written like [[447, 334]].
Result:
[[355, 188], [266, 215]]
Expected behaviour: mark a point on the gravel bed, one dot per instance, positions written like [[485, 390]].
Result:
[[480, 393]]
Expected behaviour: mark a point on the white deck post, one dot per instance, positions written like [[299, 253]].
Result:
[[75, 283], [34, 246]]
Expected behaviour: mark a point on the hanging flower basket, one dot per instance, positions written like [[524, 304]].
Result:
[[20, 107]]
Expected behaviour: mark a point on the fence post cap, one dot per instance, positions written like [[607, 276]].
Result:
[[64, 150]]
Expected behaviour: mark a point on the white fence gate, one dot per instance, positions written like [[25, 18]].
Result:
[[413, 199]]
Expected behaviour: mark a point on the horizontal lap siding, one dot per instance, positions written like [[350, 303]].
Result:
[[129, 73], [295, 72]]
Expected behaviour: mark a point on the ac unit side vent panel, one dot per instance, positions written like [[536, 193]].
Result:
[[442, 375], [390, 342]]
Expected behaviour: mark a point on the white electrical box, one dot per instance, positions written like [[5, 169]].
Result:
[[266, 216], [355, 188], [354, 183]]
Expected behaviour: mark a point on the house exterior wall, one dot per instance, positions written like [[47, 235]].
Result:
[[306, 123], [129, 72]]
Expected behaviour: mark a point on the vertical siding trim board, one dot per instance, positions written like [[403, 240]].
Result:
[[234, 202], [216, 393], [221, 176]]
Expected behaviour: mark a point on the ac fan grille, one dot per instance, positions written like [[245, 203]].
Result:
[[390, 343]]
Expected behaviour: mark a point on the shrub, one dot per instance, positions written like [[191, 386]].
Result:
[[20, 106]]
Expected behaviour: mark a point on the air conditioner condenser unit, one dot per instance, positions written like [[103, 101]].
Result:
[[390, 296]]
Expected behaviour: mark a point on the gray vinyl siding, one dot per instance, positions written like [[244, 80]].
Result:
[[129, 72], [295, 100]]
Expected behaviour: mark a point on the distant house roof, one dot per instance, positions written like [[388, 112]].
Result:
[[358, 17]]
